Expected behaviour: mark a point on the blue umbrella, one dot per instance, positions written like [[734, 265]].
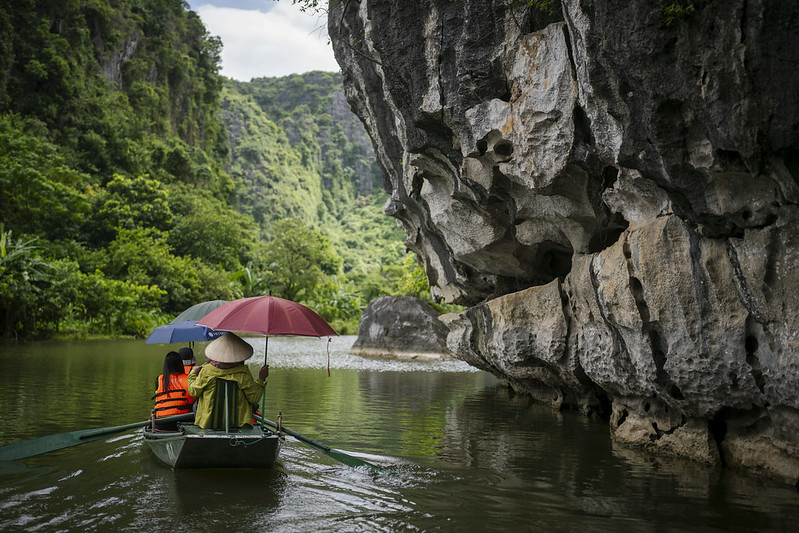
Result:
[[185, 331]]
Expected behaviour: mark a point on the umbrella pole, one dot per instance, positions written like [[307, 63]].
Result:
[[263, 396], [266, 349]]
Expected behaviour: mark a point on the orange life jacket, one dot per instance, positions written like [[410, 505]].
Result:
[[175, 400]]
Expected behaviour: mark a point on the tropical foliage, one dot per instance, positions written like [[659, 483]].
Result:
[[137, 181]]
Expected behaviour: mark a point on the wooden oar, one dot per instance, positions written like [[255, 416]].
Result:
[[338, 455], [50, 443]]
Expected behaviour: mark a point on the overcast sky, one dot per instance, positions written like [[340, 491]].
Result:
[[266, 38]]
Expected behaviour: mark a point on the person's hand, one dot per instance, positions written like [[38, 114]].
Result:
[[196, 370], [263, 373]]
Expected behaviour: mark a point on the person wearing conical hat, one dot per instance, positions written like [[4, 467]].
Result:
[[226, 356]]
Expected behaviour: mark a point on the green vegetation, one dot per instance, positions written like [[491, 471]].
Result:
[[676, 10], [137, 181]]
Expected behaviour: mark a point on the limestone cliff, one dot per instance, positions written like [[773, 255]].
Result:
[[614, 196]]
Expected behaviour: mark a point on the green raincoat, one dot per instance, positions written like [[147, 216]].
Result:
[[203, 386]]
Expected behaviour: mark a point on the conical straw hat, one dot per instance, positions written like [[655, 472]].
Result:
[[229, 348]]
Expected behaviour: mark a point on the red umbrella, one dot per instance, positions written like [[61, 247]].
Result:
[[269, 315]]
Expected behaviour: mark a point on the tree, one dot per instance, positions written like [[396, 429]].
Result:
[[24, 274], [142, 257], [414, 280], [130, 203], [299, 258], [214, 233], [249, 281], [41, 194], [117, 307], [339, 304]]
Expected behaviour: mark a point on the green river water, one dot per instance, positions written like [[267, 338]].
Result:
[[466, 455]]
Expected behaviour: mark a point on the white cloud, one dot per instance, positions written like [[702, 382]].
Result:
[[277, 42]]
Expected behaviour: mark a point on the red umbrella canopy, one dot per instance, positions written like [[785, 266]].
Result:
[[269, 315]]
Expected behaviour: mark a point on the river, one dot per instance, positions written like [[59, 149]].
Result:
[[464, 454]]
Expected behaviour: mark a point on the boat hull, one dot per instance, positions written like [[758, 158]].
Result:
[[193, 447]]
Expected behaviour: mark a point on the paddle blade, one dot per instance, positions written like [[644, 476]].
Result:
[[351, 460], [51, 443], [338, 455]]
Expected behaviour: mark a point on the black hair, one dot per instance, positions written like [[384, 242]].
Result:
[[187, 354], [173, 364]]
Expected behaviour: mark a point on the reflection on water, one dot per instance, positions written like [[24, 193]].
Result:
[[465, 454]]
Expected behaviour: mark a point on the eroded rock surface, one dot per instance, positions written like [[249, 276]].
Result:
[[402, 327], [614, 197]]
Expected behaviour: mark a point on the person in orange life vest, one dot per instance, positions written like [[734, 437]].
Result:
[[171, 394], [187, 354]]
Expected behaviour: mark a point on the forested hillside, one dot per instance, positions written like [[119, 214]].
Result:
[[325, 138], [136, 181]]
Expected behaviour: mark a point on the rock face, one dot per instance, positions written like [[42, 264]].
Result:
[[403, 327], [615, 197]]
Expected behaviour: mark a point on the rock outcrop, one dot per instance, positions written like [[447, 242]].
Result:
[[613, 196], [402, 327]]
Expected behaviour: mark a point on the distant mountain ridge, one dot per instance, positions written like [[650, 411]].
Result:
[[300, 121]]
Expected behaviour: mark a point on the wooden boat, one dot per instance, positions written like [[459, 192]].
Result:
[[193, 447], [223, 444]]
